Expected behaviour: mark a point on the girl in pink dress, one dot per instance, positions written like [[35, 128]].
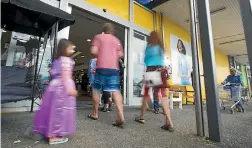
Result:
[[57, 115]]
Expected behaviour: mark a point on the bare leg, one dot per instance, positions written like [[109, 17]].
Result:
[[110, 103], [119, 106], [96, 100], [144, 105], [167, 111], [110, 99]]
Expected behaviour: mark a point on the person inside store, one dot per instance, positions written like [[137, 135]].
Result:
[[84, 83], [154, 60], [91, 71], [107, 101], [234, 80], [108, 50], [59, 99], [106, 96], [156, 103], [156, 98], [75, 77]]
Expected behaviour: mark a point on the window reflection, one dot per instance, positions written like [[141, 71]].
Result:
[[20, 51]]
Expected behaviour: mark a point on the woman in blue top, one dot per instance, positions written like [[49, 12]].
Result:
[[154, 59]]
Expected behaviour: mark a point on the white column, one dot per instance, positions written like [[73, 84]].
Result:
[[130, 57], [64, 33], [11, 52], [125, 101]]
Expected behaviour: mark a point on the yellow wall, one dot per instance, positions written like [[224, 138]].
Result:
[[172, 28], [117, 7], [158, 24], [222, 64], [143, 17]]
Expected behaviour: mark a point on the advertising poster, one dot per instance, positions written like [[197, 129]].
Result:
[[181, 57]]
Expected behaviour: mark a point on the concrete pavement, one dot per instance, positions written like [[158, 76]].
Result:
[[101, 134]]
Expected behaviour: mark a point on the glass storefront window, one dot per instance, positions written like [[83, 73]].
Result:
[[20, 51], [139, 66], [17, 49], [45, 62]]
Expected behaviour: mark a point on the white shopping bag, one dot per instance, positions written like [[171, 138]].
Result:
[[153, 78]]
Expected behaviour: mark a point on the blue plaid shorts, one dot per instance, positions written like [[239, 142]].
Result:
[[107, 80]]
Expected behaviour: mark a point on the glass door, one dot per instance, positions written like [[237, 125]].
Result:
[[139, 44]]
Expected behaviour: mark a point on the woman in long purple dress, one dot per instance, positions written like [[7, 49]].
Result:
[[57, 115]]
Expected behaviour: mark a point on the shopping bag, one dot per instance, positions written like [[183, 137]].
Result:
[[156, 77]]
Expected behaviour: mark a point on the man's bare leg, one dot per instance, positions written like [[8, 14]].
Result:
[[96, 100], [119, 106]]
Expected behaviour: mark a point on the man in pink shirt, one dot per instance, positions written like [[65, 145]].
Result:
[[108, 50]]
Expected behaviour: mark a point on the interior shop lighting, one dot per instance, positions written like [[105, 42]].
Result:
[[234, 41], [241, 55], [215, 11], [82, 56], [88, 40]]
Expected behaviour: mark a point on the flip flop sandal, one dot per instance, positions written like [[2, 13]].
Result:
[[139, 120], [59, 141], [91, 117], [105, 110], [156, 111], [118, 124], [168, 128]]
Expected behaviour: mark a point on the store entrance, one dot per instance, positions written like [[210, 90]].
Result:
[[81, 34]]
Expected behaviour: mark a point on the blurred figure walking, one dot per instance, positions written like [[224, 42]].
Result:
[[57, 115], [91, 73], [154, 60], [108, 50]]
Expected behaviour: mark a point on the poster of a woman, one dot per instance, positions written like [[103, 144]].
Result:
[[181, 61]]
